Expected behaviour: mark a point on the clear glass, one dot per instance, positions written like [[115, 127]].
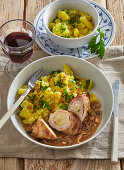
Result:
[[19, 55]]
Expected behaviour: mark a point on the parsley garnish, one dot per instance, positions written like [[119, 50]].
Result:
[[43, 88], [87, 84], [67, 12], [43, 103], [54, 73], [72, 81], [68, 97], [59, 82], [66, 36], [32, 98], [64, 106], [76, 80], [62, 28], [97, 48], [80, 84], [71, 21]]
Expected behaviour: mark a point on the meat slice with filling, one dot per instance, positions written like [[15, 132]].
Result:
[[65, 121], [79, 106], [41, 130]]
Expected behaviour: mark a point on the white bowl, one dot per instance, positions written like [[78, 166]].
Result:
[[81, 68], [82, 5]]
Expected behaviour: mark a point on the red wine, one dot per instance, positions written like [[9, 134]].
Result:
[[18, 39]]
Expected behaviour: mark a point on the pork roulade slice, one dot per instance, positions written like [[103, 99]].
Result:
[[79, 106], [41, 130], [65, 121]]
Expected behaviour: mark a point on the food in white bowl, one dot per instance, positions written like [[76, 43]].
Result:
[[71, 5], [81, 68], [71, 24], [65, 103]]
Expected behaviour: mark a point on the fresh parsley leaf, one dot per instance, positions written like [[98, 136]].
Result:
[[54, 73], [43, 88], [97, 47], [59, 82], [64, 106], [87, 84], [68, 97], [66, 36]]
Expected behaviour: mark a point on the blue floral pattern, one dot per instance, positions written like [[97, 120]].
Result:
[[106, 25]]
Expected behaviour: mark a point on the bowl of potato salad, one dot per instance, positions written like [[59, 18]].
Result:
[[69, 105], [71, 23]]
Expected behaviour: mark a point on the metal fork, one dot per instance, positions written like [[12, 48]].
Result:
[[31, 84]]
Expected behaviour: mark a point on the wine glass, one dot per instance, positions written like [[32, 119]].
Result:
[[17, 38]]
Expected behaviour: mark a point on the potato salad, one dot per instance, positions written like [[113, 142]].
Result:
[[72, 24]]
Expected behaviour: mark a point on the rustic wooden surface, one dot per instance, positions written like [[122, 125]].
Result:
[[28, 9]]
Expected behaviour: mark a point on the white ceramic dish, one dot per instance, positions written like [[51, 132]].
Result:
[[81, 5], [80, 67], [106, 24]]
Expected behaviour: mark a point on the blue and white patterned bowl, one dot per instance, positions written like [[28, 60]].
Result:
[[106, 24]]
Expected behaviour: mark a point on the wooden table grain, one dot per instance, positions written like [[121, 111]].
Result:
[[28, 9]]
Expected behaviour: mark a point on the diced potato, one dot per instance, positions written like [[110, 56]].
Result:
[[84, 31], [67, 70], [63, 15], [93, 98], [76, 32], [22, 90], [87, 23]]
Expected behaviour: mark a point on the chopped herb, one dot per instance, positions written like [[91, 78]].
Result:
[[78, 19], [76, 80], [87, 84], [43, 88], [80, 84], [41, 102], [62, 28], [76, 87], [54, 73], [32, 98], [68, 97], [67, 12], [71, 21], [97, 48], [72, 81], [46, 105], [59, 82], [64, 106]]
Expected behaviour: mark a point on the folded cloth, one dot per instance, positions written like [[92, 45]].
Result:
[[13, 144]]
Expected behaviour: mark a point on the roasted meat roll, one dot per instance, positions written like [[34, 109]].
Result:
[[41, 130], [65, 121], [79, 106]]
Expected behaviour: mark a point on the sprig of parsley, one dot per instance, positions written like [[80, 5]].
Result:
[[87, 84], [97, 48]]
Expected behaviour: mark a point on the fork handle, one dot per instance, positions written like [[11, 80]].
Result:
[[114, 154], [13, 108]]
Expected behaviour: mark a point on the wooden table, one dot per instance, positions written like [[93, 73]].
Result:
[[28, 9]]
